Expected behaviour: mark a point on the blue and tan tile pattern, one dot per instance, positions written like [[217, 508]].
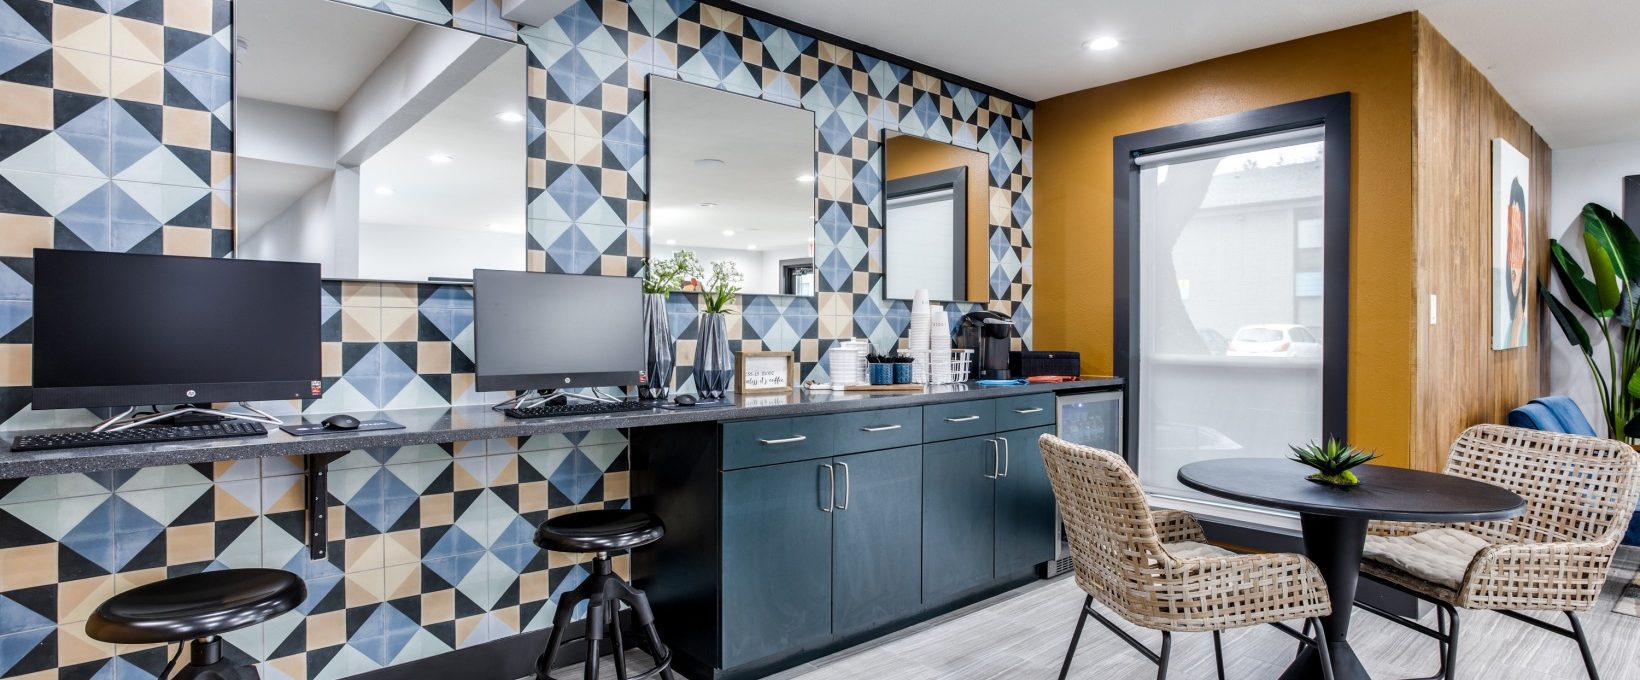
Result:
[[115, 134]]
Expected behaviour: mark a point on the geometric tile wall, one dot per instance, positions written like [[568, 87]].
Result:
[[115, 135]]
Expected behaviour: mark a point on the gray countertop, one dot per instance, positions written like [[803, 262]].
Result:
[[469, 423]]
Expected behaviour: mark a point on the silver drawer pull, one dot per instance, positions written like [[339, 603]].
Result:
[[1028, 411], [963, 419], [787, 440], [880, 428]]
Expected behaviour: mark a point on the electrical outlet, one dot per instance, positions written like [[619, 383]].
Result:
[[1433, 305]]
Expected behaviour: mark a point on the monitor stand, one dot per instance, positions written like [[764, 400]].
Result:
[[533, 398], [124, 421]]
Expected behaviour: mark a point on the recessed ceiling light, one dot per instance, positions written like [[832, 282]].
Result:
[[728, 232], [708, 163], [805, 178], [1101, 44], [708, 205], [510, 117], [752, 247], [441, 158], [384, 190], [671, 241]]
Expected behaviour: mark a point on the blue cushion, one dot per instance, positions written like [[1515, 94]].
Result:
[[1570, 416], [1558, 413], [1534, 416]]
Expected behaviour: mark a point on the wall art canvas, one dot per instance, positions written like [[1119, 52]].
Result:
[[1511, 174]]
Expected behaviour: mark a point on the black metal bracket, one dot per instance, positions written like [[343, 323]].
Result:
[[318, 493]]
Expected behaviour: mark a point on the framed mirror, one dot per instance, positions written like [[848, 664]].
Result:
[[731, 177], [378, 146], [936, 220]]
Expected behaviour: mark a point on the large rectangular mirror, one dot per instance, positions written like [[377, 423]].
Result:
[[731, 177], [936, 222], [378, 146]]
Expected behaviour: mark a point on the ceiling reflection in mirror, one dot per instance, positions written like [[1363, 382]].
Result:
[[936, 220]]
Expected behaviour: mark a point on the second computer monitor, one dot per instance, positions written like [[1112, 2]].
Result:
[[545, 331]]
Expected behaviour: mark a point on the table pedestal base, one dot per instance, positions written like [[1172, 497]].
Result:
[[1345, 665]]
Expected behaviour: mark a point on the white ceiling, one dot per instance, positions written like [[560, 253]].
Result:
[[1569, 66], [313, 58]]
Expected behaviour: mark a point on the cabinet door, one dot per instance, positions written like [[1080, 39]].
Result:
[[1025, 517], [876, 534], [776, 559], [959, 516]]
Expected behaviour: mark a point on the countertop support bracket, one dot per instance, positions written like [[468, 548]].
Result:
[[318, 491]]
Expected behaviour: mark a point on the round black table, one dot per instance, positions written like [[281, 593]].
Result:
[[1335, 525]]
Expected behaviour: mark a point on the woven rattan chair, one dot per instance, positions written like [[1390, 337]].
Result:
[[1156, 570], [1579, 494]]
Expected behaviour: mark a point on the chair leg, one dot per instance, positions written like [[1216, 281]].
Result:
[[1583, 645], [1162, 658], [1081, 618], [595, 639], [619, 650], [1321, 648], [560, 621], [643, 619], [1218, 653], [1449, 664]]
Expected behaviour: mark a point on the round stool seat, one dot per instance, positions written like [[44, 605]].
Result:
[[599, 531], [195, 606]]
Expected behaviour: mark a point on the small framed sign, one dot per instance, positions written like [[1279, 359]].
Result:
[[764, 372]]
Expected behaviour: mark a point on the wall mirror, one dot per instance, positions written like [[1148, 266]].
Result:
[[731, 177], [936, 220], [378, 146]]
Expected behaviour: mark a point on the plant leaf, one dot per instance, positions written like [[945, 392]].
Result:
[[1603, 269], [1578, 287], [1574, 330], [1617, 237]]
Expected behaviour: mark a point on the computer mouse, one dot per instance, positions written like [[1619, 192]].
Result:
[[341, 422], [684, 400]]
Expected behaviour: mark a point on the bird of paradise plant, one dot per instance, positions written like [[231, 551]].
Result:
[[1609, 293]]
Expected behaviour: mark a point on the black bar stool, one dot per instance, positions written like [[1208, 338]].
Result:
[[603, 531], [197, 607]]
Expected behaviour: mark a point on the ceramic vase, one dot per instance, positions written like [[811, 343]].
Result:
[[714, 365], [657, 349]]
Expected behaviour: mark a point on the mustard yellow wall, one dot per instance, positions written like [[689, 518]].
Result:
[[1073, 213], [906, 156]]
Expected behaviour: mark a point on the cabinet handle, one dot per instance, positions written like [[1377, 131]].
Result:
[[848, 486], [787, 440], [1028, 411], [831, 488], [963, 419], [996, 459], [881, 428], [1007, 456]]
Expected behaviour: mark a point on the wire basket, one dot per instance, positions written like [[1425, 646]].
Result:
[[939, 366]]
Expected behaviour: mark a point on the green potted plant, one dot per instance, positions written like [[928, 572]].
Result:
[[714, 364], [1332, 461], [660, 279]]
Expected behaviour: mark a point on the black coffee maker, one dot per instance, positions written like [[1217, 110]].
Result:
[[988, 334]]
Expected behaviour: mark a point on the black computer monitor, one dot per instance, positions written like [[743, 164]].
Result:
[[114, 329], [552, 331]]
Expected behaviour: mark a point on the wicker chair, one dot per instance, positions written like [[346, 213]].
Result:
[[1579, 493], [1156, 570]]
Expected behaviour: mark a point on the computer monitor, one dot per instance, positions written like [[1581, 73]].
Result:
[[115, 329], [553, 331]]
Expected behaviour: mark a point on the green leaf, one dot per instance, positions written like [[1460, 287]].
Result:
[[1617, 238], [1575, 333], [1578, 287], [1603, 264]]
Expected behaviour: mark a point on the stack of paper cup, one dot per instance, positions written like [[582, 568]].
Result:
[[861, 349], [843, 363], [939, 345], [917, 338]]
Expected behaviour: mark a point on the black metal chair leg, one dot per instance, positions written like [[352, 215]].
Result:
[[619, 650], [1162, 658], [595, 639], [560, 621], [1321, 648], [1081, 619], [1440, 626], [1307, 625], [1583, 645], [1218, 653], [1449, 664]]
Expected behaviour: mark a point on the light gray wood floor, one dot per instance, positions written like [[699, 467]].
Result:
[[1023, 634]]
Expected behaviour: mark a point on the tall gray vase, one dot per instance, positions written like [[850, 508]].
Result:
[[657, 349], [714, 365]]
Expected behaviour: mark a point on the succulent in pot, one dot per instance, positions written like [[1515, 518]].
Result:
[[1333, 461]]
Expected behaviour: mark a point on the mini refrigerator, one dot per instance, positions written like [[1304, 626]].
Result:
[[1091, 419]]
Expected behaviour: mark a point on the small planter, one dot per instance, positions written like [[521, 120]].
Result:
[[1332, 462]]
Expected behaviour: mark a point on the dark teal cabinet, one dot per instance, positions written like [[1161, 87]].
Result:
[[876, 566], [777, 555], [959, 518], [1025, 517]]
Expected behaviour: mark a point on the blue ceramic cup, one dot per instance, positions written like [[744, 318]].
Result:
[[882, 374], [902, 374]]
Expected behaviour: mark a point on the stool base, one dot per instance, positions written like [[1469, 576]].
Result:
[[205, 662], [604, 592]]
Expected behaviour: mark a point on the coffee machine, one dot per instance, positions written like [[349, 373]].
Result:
[[988, 334]]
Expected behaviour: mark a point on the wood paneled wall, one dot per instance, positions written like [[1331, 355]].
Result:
[[1460, 380]]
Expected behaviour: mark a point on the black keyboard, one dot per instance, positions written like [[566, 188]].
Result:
[[137, 435], [590, 408]]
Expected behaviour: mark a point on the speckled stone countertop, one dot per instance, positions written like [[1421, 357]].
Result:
[[469, 423]]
